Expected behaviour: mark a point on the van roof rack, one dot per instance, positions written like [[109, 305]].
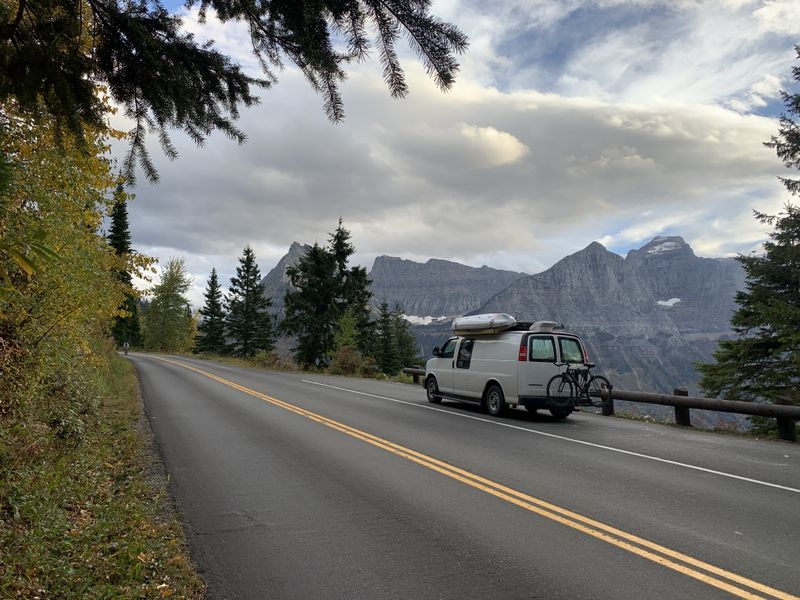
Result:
[[545, 326], [541, 326]]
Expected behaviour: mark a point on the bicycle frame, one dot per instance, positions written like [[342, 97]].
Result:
[[580, 379]]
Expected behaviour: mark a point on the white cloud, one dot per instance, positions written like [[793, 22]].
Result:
[[781, 16], [644, 228], [494, 147], [649, 141]]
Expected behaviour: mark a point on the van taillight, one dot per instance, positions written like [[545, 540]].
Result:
[[523, 352], [585, 356]]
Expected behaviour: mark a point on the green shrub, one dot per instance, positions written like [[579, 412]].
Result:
[[349, 361]]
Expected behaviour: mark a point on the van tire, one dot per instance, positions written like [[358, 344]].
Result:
[[494, 400], [560, 413], [432, 390]]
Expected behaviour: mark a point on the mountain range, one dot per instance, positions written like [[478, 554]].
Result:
[[646, 318]]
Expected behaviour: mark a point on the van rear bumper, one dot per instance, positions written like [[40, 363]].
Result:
[[536, 402]]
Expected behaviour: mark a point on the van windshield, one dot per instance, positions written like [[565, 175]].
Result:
[[570, 350], [449, 349]]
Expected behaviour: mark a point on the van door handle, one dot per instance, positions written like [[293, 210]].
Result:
[[453, 364]]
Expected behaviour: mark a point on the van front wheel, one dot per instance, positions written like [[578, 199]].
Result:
[[495, 401], [432, 390]]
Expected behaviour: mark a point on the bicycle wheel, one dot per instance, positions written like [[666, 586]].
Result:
[[560, 392], [598, 383]]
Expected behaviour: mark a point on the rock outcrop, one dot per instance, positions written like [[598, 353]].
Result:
[[435, 288], [698, 293], [275, 282]]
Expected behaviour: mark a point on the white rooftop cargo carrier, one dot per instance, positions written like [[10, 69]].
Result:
[[483, 324]]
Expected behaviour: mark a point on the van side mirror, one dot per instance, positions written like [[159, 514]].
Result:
[[436, 351]]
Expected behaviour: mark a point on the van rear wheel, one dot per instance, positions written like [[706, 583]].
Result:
[[432, 389], [560, 393], [495, 401], [560, 413]]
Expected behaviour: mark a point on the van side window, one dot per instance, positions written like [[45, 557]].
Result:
[[542, 349], [465, 354], [449, 349], [570, 350]]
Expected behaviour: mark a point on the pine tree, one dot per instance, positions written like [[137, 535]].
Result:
[[248, 323], [311, 307], [352, 285], [406, 342], [347, 359], [125, 328], [211, 328], [387, 354], [324, 287], [168, 320], [763, 363], [119, 235], [346, 335]]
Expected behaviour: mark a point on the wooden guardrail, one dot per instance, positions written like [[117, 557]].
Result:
[[786, 415], [415, 372]]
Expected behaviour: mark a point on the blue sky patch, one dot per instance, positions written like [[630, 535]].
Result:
[[546, 51]]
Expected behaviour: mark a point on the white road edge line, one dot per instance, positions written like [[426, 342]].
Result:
[[566, 439]]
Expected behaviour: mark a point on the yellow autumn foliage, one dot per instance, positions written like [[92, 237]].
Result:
[[55, 195]]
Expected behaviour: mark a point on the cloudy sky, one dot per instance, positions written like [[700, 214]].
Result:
[[570, 121]]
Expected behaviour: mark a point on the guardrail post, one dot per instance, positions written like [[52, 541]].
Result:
[[608, 405], [682, 416], [786, 430], [416, 372]]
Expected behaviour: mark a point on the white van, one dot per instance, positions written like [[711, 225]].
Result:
[[509, 368]]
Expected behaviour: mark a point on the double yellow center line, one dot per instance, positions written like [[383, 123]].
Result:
[[715, 576]]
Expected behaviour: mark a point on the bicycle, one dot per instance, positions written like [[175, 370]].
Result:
[[574, 387]]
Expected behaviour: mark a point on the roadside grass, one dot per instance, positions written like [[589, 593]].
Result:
[[83, 514], [270, 362]]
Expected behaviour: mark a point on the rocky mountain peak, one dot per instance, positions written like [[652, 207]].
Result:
[[593, 257], [275, 283], [662, 245], [296, 250], [595, 247], [697, 292]]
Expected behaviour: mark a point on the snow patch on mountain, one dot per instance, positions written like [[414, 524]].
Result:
[[671, 302], [414, 320], [665, 246]]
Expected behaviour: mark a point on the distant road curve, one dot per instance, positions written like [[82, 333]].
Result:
[[293, 486]]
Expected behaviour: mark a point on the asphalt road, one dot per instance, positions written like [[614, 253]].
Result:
[[305, 486]]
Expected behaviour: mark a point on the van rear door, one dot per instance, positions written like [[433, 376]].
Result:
[[540, 366], [571, 349]]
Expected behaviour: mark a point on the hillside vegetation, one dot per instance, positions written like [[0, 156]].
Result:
[[79, 515]]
